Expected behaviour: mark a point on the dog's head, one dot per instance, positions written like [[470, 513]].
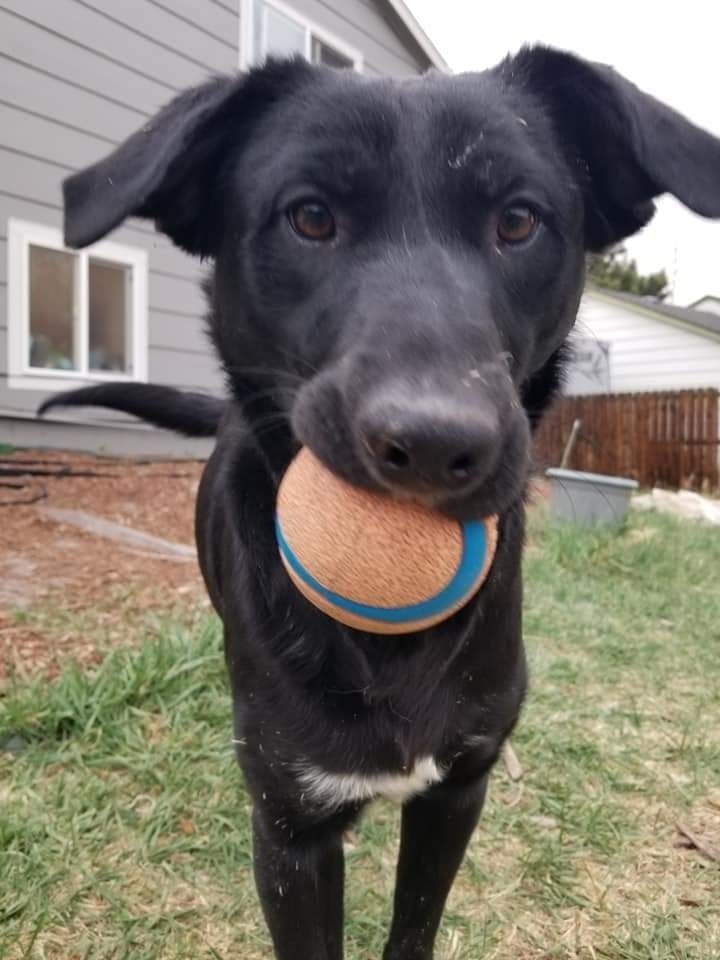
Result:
[[397, 264]]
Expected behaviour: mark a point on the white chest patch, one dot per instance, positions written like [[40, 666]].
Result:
[[338, 789]]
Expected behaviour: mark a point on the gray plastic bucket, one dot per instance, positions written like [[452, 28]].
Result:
[[589, 498]]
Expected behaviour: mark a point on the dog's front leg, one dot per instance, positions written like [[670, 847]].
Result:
[[300, 882], [436, 828]]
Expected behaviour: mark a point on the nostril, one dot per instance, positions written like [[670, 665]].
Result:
[[394, 455], [462, 466], [386, 450]]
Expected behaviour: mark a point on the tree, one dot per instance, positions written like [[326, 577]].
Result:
[[615, 271]]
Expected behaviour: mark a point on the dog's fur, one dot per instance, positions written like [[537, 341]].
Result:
[[415, 322]]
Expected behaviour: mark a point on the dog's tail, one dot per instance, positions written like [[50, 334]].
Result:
[[192, 414]]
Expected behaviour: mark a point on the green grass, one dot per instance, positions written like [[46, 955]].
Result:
[[124, 826]]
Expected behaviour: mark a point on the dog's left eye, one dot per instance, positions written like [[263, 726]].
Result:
[[517, 224], [312, 220]]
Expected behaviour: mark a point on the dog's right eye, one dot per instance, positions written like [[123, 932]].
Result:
[[312, 220], [516, 224]]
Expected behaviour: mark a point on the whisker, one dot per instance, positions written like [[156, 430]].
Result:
[[266, 372], [277, 417], [272, 392], [268, 428], [292, 357]]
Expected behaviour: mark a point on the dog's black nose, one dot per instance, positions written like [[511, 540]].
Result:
[[429, 445]]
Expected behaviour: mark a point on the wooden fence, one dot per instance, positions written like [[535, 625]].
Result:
[[665, 439]]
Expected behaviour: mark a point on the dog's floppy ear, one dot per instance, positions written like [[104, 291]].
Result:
[[169, 171], [628, 147]]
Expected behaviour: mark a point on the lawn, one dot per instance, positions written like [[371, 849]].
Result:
[[124, 826]]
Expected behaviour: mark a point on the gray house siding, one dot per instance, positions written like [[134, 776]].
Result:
[[76, 78]]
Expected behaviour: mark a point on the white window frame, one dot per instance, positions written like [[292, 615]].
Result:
[[21, 376], [248, 59]]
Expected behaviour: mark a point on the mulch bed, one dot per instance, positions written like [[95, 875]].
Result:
[[54, 574]]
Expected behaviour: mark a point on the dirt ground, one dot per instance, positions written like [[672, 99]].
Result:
[[61, 587]]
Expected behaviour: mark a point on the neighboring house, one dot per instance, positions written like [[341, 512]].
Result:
[[628, 344], [76, 78], [707, 304]]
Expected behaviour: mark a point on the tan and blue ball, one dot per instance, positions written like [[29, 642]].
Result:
[[373, 562]]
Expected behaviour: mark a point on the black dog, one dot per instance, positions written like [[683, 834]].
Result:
[[397, 266]]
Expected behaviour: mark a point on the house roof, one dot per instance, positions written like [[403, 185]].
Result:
[[701, 320], [708, 296], [419, 35]]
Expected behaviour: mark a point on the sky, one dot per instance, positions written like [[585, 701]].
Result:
[[671, 50]]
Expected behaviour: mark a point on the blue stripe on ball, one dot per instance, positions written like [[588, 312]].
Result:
[[474, 546]]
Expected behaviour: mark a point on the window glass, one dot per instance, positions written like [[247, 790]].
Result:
[[258, 14], [109, 316], [52, 309], [283, 36], [327, 55]]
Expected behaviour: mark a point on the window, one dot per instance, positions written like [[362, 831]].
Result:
[[73, 315], [270, 28]]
